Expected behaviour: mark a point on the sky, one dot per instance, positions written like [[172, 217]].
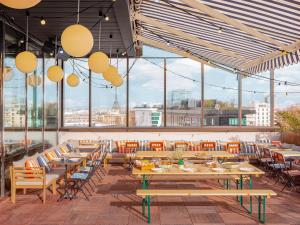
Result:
[[146, 83]]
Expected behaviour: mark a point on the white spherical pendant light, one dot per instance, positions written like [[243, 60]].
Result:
[[26, 62], [98, 62], [77, 40], [73, 80], [117, 81], [110, 73], [20, 4], [55, 73], [8, 73], [34, 80]]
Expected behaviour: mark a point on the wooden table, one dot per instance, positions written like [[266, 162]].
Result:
[[186, 154], [287, 153], [88, 147]]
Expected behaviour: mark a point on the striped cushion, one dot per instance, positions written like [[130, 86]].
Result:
[[58, 152], [43, 163], [50, 155], [70, 147], [64, 150], [29, 163]]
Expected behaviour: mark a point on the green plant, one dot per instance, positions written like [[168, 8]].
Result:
[[289, 120]]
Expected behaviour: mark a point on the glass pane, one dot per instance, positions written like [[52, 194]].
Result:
[[50, 97], [220, 98], [108, 103], [183, 93], [256, 100], [146, 92], [76, 99]]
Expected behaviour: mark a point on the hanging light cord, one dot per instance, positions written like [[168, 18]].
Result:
[[100, 27], [27, 27], [78, 10]]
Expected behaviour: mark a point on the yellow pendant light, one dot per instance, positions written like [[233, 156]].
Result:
[[20, 4], [26, 62], [117, 81], [8, 73], [73, 80], [110, 73], [98, 62], [55, 73], [34, 80], [76, 39]]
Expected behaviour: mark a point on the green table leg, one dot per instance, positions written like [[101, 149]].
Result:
[[264, 210], [250, 186], [259, 208], [241, 187], [149, 211]]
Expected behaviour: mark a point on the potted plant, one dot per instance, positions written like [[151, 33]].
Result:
[[178, 156]]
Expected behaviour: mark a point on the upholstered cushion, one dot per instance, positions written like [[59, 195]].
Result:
[[64, 149], [70, 147], [49, 180], [79, 176], [29, 163], [58, 152], [50, 155], [43, 163]]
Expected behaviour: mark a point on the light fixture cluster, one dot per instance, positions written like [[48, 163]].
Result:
[[77, 41]]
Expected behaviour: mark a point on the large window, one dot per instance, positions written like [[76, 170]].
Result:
[[76, 99], [146, 92], [286, 95], [256, 100], [183, 93], [220, 98], [109, 103]]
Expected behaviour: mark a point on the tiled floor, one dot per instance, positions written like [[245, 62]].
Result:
[[115, 203]]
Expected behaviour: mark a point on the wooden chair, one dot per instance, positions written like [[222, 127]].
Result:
[[276, 143], [233, 147], [157, 145], [182, 145], [31, 178], [208, 146]]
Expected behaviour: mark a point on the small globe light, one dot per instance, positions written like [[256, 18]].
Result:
[[8, 73], [77, 40], [98, 62], [73, 80], [26, 62], [19, 4], [110, 73], [34, 80], [117, 81], [55, 73]]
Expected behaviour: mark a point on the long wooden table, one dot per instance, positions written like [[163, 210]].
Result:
[[287, 153], [185, 154]]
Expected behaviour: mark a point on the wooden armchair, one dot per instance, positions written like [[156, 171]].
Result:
[[31, 178], [182, 145]]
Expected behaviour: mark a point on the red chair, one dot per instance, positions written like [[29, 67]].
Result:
[[157, 145], [276, 143], [208, 146], [132, 146]]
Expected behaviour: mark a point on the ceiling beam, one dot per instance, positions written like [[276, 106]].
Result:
[[197, 4], [174, 50], [292, 48], [186, 36], [122, 13]]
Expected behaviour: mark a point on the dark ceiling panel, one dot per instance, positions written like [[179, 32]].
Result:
[[59, 14]]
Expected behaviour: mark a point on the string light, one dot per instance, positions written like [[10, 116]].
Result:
[[43, 21], [106, 18]]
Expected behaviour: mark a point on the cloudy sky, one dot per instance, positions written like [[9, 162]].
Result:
[[146, 83]]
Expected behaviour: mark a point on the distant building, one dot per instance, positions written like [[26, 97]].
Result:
[[146, 117]]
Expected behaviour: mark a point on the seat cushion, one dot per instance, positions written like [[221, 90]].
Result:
[[50, 178], [79, 176]]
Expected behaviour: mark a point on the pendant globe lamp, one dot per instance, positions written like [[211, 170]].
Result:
[[73, 80], [77, 40], [26, 61], [55, 73], [98, 61], [20, 4], [117, 81], [110, 73]]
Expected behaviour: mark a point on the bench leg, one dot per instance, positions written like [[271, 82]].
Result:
[[149, 211], [262, 212]]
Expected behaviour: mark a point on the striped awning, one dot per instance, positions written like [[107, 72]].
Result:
[[269, 39]]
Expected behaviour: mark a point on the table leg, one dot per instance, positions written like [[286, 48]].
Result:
[[250, 186], [149, 211], [241, 187], [67, 194]]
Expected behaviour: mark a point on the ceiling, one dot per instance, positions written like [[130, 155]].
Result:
[[59, 14]]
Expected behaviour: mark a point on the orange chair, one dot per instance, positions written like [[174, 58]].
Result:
[[233, 147], [157, 145], [183, 145], [196, 146], [208, 146], [132, 146], [276, 143]]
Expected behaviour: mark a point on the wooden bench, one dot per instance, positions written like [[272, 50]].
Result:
[[260, 194], [33, 178]]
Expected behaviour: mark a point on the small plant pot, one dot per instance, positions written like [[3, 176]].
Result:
[[180, 163]]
